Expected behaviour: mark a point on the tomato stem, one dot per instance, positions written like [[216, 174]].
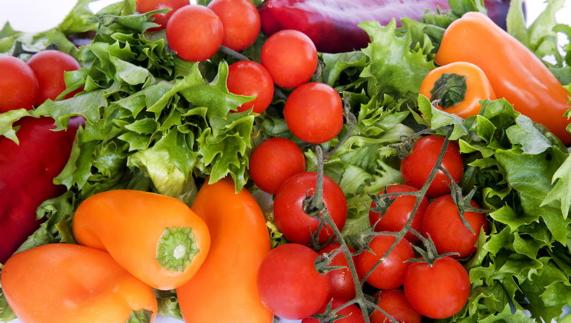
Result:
[[234, 54], [360, 297]]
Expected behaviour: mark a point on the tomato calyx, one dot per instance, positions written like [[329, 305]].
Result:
[[463, 202], [428, 254]]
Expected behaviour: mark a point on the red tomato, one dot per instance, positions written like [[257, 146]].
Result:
[[49, 67], [343, 287], [195, 33], [241, 22], [251, 79], [395, 304], [443, 224], [390, 274], [18, 85], [289, 284], [350, 314], [439, 290], [396, 215], [290, 57], [289, 214], [419, 163], [162, 18], [274, 161], [314, 113]]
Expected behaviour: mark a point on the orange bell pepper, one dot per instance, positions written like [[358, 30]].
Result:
[[225, 289], [65, 283], [515, 73], [156, 238], [459, 87]]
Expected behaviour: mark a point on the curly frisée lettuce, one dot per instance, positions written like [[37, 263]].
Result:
[[524, 262]]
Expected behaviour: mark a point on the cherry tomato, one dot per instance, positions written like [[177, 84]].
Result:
[[241, 22], [289, 214], [395, 304], [398, 212], [274, 161], [195, 33], [439, 290], [314, 113], [416, 167], [160, 18], [18, 85], [343, 287], [251, 79], [289, 284], [49, 67], [290, 57], [390, 274], [443, 224], [350, 314]]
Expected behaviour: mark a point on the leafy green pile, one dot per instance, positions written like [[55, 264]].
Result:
[[156, 123]]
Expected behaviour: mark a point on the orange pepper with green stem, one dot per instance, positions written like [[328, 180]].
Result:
[[458, 88], [66, 283], [156, 238], [225, 289], [515, 73]]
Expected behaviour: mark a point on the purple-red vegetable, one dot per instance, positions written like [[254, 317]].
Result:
[[332, 24], [27, 171]]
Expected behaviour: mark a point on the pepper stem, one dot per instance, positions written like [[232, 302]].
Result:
[[176, 248], [449, 90]]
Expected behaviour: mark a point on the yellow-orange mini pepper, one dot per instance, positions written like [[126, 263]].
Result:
[[65, 283], [458, 87], [156, 238]]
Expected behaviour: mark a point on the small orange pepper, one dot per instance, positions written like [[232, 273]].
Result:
[[156, 238], [458, 87], [66, 283], [225, 289]]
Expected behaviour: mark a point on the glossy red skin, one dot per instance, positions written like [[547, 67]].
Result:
[[49, 67], [333, 24], [289, 216], [251, 79], [439, 290], [195, 33], [241, 22], [444, 226], [350, 314], [390, 274], [274, 161], [397, 214], [396, 305], [416, 167], [343, 287], [289, 284], [290, 57], [314, 113], [19, 87], [26, 176], [161, 19]]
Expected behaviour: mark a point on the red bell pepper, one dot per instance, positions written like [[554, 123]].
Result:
[[27, 171], [332, 24]]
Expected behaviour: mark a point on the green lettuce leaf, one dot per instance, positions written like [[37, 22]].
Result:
[[394, 67]]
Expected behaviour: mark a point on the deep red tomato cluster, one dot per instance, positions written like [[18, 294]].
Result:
[[313, 111], [436, 289], [25, 85]]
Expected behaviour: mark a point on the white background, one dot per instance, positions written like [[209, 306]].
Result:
[[40, 15]]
